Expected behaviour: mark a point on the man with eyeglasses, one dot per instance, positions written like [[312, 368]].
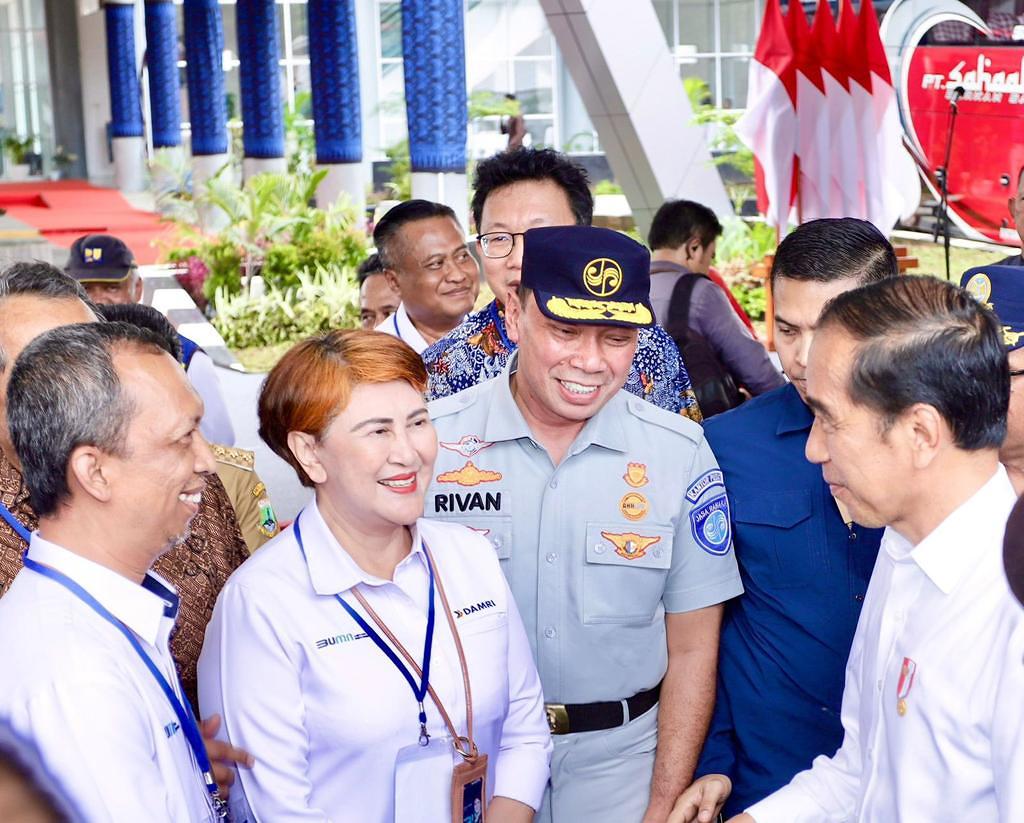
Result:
[[1001, 288], [515, 191], [425, 258]]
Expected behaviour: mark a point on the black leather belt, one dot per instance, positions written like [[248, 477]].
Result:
[[595, 717]]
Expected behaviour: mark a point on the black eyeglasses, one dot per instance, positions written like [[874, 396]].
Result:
[[1016, 373], [498, 244]]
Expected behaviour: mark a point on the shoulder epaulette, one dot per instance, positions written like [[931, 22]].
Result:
[[678, 423], [239, 458]]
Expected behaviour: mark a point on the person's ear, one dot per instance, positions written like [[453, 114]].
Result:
[[513, 315], [92, 471], [392, 278], [925, 431], [137, 288], [302, 445]]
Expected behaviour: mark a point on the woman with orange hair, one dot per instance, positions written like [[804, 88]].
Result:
[[373, 662]]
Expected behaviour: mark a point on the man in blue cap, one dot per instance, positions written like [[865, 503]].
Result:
[[1001, 288], [611, 522]]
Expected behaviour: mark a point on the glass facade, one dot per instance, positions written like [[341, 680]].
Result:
[[26, 108], [713, 40]]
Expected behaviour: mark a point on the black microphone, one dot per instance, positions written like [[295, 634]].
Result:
[[958, 92]]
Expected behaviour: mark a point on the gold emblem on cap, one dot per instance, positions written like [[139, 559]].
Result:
[[1011, 337], [979, 287], [602, 277]]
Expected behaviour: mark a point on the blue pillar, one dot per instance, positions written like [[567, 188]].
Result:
[[204, 52], [125, 95], [334, 74], [162, 61], [260, 76], [434, 52]]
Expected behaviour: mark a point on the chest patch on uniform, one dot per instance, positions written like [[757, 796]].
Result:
[[465, 611], [467, 445], [630, 545], [636, 475], [468, 502], [633, 506], [338, 639], [469, 475]]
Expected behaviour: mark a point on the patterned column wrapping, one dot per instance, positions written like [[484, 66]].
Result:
[[162, 60], [125, 94], [204, 52], [334, 69], [260, 79], [434, 51]]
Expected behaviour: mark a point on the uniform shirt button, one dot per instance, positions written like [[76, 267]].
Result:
[[496, 542], [879, 685], [550, 632], [598, 548], [658, 552], [853, 535], [551, 557], [859, 598], [554, 484]]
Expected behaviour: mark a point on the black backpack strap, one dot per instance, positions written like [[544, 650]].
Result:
[[677, 323]]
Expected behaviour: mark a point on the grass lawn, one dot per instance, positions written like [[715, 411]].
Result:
[[932, 259]]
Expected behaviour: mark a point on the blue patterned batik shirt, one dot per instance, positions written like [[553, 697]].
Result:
[[478, 349]]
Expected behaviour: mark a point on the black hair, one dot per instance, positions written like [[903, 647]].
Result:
[[922, 340], [371, 265], [387, 231], [835, 248], [64, 393], [38, 279], [678, 222], [146, 317], [524, 164]]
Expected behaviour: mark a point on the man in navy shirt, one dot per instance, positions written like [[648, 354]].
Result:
[[805, 565]]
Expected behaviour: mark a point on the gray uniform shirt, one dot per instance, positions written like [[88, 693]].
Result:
[[713, 318], [633, 523]]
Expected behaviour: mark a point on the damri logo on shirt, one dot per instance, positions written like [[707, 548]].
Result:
[[339, 639], [465, 611]]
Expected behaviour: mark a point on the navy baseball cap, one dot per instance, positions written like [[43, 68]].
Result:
[[99, 258], [583, 274], [1001, 289]]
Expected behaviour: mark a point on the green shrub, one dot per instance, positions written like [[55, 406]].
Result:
[[743, 242], [328, 299], [752, 297]]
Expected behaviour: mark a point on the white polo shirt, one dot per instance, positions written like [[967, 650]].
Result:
[[322, 709], [72, 683], [941, 632], [399, 325]]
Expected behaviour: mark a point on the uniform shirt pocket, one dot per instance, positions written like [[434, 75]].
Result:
[[779, 540], [625, 571]]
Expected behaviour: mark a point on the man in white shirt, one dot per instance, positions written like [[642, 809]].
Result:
[[909, 384], [426, 260], [106, 428]]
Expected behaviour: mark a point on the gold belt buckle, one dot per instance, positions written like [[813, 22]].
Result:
[[558, 718]]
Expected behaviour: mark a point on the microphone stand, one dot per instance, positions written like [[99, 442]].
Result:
[[943, 222]]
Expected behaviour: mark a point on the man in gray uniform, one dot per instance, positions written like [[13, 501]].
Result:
[[611, 522]]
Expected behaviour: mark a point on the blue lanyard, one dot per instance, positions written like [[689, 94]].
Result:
[[420, 691], [14, 523], [500, 326], [398, 334], [186, 718]]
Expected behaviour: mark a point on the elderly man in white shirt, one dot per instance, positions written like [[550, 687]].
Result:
[[909, 384], [426, 260], [106, 428]]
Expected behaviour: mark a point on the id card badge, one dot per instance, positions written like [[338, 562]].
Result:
[[423, 782], [469, 791]]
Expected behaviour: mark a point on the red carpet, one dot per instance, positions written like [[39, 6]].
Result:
[[63, 210]]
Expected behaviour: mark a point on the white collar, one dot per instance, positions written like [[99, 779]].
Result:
[[399, 325], [946, 554], [331, 568], [142, 608]]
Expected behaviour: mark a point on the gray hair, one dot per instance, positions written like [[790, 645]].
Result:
[[64, 393], [39, 279]]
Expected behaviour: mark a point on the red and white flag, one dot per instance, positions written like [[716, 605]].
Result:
[[846, 170], [769, 126], [813, 131], [869, 184], [900, 193]]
